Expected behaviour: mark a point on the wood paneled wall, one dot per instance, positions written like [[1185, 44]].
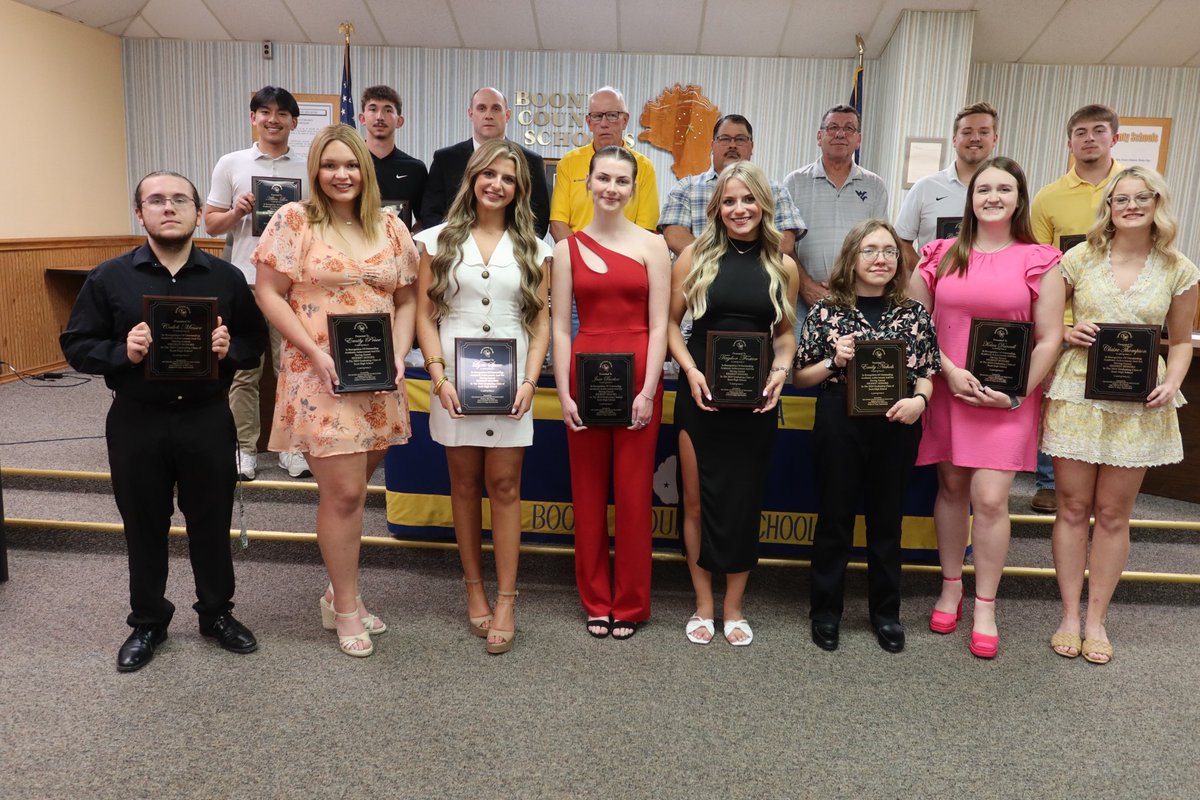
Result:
[[39, 280]]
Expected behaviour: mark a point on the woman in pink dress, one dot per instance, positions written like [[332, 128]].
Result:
[[337, 253], [980, 437]]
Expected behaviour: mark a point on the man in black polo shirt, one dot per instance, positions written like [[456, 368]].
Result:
[[168, 433], [401, 177]]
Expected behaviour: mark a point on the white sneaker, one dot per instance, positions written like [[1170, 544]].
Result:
[[295, 465], [247, 463]]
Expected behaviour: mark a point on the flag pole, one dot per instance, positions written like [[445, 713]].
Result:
[[347, 105]]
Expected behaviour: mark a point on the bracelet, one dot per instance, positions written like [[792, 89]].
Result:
[[777, 369], [689, 369], [923, 396], [648, 399], [531, 383], [439, 383], [434, 360]]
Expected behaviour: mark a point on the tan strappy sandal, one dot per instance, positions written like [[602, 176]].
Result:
[[478, 623], [506, 637]]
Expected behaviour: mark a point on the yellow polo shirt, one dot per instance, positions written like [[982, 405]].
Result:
[[572, 202], [1067, 207]]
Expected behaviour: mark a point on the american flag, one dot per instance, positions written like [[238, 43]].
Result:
[[347, 91]]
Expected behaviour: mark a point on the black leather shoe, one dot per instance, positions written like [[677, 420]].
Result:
[[825, 635], [890, 636], [138, 649], [230, 634]]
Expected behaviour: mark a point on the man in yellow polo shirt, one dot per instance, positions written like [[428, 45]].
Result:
[[571, 203], [1063, 211]]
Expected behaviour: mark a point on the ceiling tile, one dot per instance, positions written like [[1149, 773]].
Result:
[[424, 24], [258, 21], [660, 26], [497, 24], [1082, 31], [998, 40], [117, 28], [183, 19], [139, 29], [730, 31], [1155, 41], [571, 25], [99, 13], [319, 19], [812, 34]]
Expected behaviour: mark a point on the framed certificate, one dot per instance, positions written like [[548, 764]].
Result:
[[485, 375], [736, 368], [998, 354], [181, 330], [604, 388], [877, 376], [361, 348], [1123, 362]]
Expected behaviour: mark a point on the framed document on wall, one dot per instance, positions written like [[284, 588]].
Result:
[[316, 111], [1143, 141]]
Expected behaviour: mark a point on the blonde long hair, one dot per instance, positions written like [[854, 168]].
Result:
[[518, 219], [1163, 228], [713, 243], [367, 204]]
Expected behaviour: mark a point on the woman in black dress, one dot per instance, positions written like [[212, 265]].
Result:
[[735, 277]]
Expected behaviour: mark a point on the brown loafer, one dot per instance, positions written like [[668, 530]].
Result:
[[1044, 501]]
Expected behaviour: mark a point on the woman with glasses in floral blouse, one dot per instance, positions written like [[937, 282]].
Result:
[[867, 301]]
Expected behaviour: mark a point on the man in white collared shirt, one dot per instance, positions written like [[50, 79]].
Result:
[[933, 207], [274, 114]]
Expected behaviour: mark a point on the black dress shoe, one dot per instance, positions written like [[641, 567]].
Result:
[[230, 634], [890, 636], [825, 635], [138, 649]]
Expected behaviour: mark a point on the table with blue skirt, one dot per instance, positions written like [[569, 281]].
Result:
[[418, 482]]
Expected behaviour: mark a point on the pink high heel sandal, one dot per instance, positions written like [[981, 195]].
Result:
[[943, 621]]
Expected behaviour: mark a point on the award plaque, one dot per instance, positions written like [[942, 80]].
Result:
[[270, 195], [998, 354], [485, 375], [181, 330], [401, 208], [1122, 362], [736, 368], [947, 227], [1065, 243], [604, 388], [361, 348], [877, 376]]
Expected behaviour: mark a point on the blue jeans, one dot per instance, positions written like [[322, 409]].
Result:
[[1043, 477]]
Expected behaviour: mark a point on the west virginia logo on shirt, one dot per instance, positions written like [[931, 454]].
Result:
[[862, 195]]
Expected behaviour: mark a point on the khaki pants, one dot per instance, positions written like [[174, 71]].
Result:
[[243, 396]]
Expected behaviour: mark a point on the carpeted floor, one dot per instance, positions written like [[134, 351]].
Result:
[[563, 715]]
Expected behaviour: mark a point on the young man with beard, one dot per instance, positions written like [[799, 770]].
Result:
[[401, 177]]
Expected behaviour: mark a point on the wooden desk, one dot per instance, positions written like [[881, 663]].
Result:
[[1180, 481]]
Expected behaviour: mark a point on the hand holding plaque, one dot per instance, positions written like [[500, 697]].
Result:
[[485, 375], [1122, 362], [998, 354], [736, 368], [877, 376], [361, 348], [270, 195], [181, 330], [604, 388]]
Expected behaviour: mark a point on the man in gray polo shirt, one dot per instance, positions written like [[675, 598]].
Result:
[[933, 207], [833, 194]]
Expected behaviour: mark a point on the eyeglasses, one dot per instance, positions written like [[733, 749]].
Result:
[[872, 253], [739, 140], [176, 201], [834, 130], [1143, 199], [611, 116]]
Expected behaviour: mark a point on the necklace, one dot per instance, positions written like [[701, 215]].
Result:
[[740, 250], [994, 249]]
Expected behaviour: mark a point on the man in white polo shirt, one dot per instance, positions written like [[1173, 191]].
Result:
[[274, 114], [832, 194], [933, 207]]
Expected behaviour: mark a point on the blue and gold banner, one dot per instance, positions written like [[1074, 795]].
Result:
[[418, 485]]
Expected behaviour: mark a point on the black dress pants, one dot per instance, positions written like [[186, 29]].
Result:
[[871, 458], [152, 450]]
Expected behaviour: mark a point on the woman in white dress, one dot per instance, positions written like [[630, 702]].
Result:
[[483, 275]]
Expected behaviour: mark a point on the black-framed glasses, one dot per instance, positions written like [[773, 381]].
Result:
[[611, 116], [834, 130], [1143, 199], [872, 253], [740, 140], [160, 201]]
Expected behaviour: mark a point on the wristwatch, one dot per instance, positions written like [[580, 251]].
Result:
[[830, 365]]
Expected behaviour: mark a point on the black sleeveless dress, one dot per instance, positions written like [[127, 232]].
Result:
[[733, 446]]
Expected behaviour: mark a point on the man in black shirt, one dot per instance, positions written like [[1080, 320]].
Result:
[[489, 115], [401, 177], [165, 434]]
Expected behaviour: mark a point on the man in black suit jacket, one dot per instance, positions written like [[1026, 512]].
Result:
[[489, 114]]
